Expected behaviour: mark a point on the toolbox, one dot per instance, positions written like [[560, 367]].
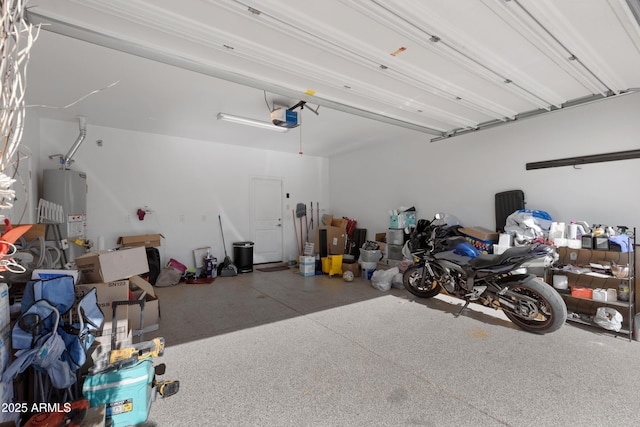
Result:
[[125, 389]]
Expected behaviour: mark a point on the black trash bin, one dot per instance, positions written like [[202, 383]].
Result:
[[243, 256]]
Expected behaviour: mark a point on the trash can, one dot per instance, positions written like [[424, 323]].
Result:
[[243, 256]]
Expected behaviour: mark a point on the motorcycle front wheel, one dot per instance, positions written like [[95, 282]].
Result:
[[541, 309], [430, 287]]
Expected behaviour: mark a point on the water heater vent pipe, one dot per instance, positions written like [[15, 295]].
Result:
[[83, 133]]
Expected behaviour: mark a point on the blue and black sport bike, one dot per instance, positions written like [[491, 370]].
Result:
[[444, 260]]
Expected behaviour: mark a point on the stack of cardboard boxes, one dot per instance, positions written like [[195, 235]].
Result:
[[333, 233], [330, 243], [116, 277]]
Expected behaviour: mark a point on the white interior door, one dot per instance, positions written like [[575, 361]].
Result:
[[266, 197]]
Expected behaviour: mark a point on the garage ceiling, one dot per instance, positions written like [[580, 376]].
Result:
[[441, 68]]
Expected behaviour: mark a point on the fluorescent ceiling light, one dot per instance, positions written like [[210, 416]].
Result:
[[250, 122]]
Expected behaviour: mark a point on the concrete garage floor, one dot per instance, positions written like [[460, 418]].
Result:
[[278, 349]]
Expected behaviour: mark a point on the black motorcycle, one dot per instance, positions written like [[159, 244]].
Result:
[[443, 259]]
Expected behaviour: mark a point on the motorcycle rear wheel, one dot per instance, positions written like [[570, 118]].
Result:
[[412, 280], [550, 307]]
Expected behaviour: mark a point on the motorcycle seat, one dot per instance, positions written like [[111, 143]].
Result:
[[487, 260]]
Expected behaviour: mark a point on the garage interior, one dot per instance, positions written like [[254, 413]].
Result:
[[432, 107]]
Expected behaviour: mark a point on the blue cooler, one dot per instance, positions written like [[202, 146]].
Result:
[[127, 392]]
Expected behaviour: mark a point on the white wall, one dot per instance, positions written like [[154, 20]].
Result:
[[186, 183], [461, 175], [25, 171], [200, 179]]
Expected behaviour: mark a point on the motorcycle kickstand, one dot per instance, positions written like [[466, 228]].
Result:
[[472, 296], [466, 304]]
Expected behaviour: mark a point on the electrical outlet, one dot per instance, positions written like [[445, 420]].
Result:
[[181, 218]]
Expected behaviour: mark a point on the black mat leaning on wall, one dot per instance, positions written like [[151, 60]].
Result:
[[507, 202], [153, 257]]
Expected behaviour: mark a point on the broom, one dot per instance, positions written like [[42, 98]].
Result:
[[295, 228], [227, 268], [301, 210]]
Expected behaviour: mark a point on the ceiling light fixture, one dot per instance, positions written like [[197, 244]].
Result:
[[250, 122]]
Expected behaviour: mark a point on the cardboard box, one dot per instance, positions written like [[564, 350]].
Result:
[[402, 220], [326, 219], [307, 270], [481, 233], [480, 237], [307, 266], [36, 230], [146, 240], [336, 239], [151, 316], [484, 246], [381, 237], [340, 222], [353, 267], [381, 240], [109, 266], [106, 293], [307, 260]]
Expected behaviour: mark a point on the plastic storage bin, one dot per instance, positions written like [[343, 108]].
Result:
[[579, 292]]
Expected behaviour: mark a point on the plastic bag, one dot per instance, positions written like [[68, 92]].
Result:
[[396, 281], [381, 279], [608, 318], [171, 274], [527, 225]]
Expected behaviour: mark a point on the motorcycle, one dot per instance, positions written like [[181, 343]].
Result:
[[450, 263]]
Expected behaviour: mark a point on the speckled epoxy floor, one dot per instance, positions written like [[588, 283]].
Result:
[[278, 349]]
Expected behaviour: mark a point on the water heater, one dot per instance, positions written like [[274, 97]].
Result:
[[68, 188]]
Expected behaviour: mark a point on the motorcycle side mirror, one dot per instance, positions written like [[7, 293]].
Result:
[[439, 215]]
